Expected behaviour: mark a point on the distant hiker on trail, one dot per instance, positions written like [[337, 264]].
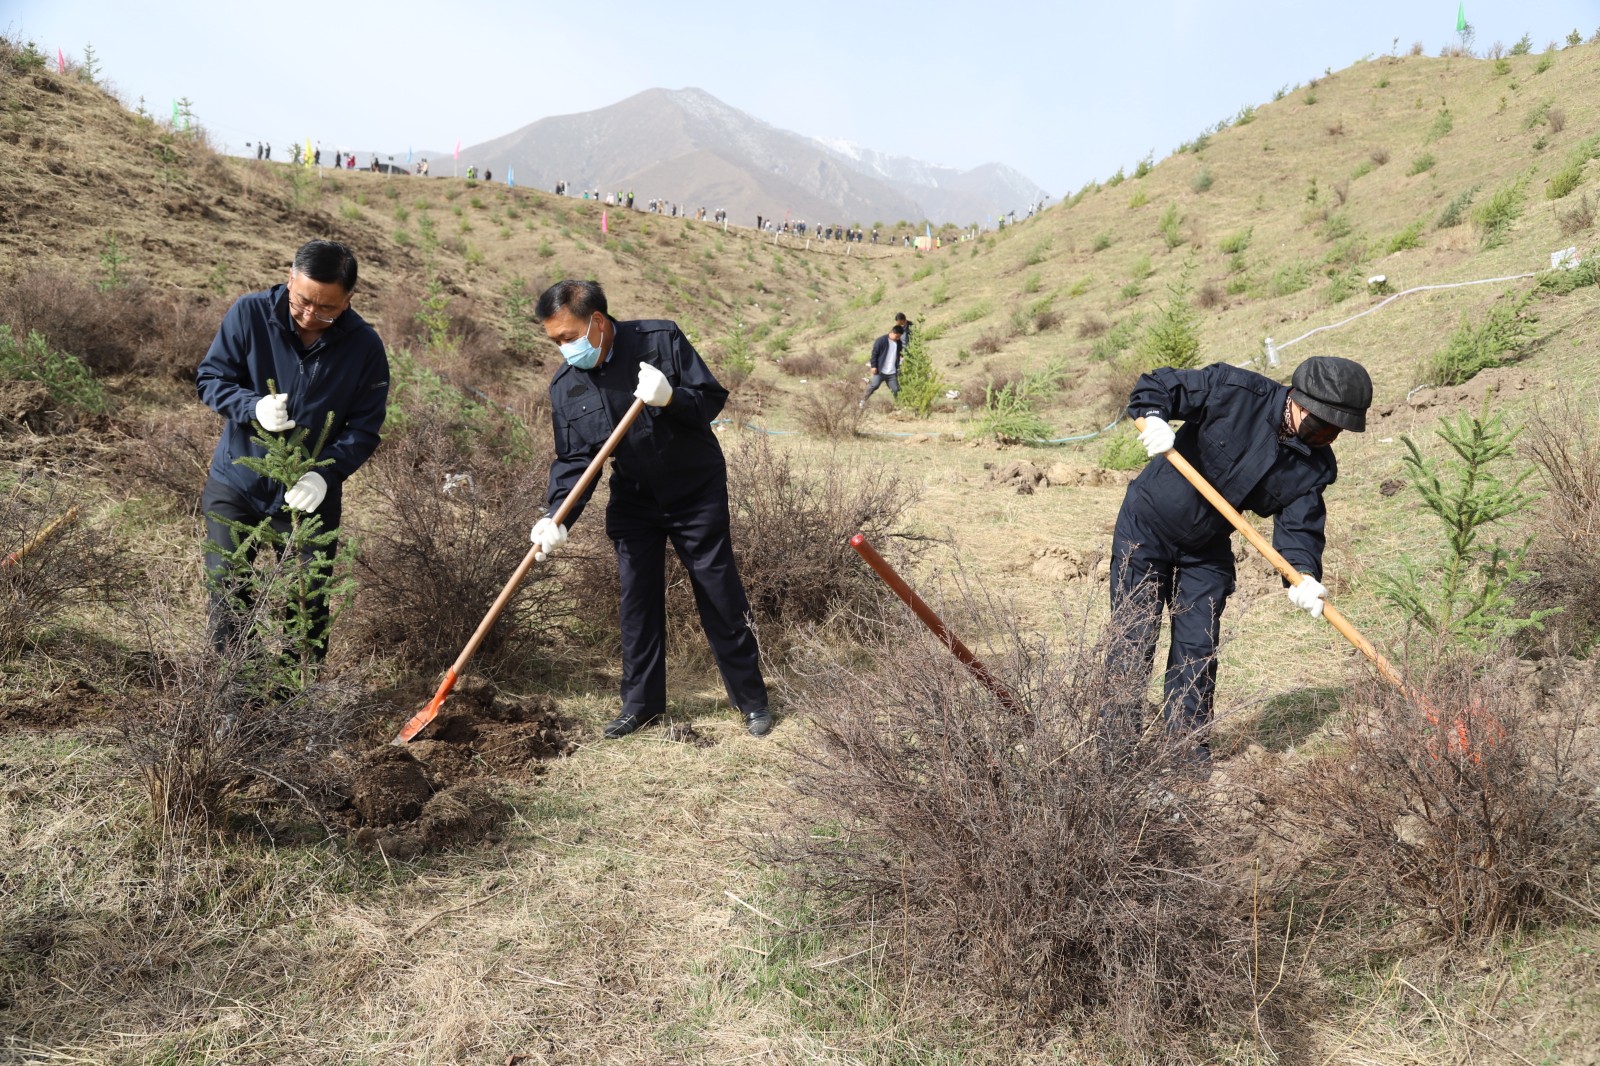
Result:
[[269, 152], [630, 199], [488, 175], [885, 364], [472, 172], [669, 481], [303, 337], [316, 158], [1266, 448]]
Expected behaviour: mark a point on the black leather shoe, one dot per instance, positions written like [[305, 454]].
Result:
[[623, 724], [759, 723]]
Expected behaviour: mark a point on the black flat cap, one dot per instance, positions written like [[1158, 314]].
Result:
[[1335, 390]]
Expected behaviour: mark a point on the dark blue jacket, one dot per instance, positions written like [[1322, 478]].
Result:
[[670, 453], [1230, 428], [346, 371], [880, 352]]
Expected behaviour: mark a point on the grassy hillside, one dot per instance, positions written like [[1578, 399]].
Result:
[[615, 903]]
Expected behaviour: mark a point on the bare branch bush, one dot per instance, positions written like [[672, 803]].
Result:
[[129, 326], [831, 410], [1565, 558], [52, 559], [1005, 852], [1468, 806], [792, 518], [210, 738], [446, 525]]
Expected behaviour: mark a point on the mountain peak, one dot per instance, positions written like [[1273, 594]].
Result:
[[716, 155]]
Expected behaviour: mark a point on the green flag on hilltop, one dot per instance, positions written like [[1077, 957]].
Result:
[[1461, 16]]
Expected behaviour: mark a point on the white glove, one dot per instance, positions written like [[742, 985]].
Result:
[[272, 411], [1308, 595], [1157, 436], [308, 492], [654, 389], [548, 536]]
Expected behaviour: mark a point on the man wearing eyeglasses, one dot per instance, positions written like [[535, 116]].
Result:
[[669, 481], [283, 358]]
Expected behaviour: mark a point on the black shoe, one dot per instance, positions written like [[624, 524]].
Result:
[[623, 724], [758, 723]]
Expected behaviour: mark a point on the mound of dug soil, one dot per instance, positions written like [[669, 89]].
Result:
[[438, 791]]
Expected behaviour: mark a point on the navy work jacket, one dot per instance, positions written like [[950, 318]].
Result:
[[345, 372], [1230, 428], [670, 454], [880, 352]]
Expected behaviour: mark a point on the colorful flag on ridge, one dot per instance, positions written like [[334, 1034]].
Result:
[[305, 160], [1461, 16], [458, 148], [174, 114], [61, 61], [511, 177], [408, 153], [603, 229]]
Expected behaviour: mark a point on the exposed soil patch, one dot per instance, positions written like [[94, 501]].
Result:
[[439, 790]]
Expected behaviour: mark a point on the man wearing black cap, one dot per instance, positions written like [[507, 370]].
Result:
[[1265, 448]]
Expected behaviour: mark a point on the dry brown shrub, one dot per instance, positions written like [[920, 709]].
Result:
[[1576, 218], [1092, 325], [989, 342], [1562, 443], [1210, 295], [1556, 119], [448, 524], [1341, 191], [808, 364], [1470, 810], [132, 327], [168, 455], [831, 410], [1379, 156], [52, 560], [103, 329], [792, 517], [1047, 320], [1002, 852], [208, 741], [187, 324], [1336, 128]]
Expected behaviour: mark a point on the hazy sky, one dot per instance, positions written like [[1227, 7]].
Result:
[[1064, 91]]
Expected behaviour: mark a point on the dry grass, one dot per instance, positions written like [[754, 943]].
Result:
[[596, 928]]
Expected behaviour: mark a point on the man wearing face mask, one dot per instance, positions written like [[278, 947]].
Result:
[[1266, 448], [668, 482]]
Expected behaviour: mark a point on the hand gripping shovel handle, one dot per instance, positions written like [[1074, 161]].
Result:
[[928, 618], [420, 720], [1290, 574]]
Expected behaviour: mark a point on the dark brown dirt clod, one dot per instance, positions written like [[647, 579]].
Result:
[[390, 787]]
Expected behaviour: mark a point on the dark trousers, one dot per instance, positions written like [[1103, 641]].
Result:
[[228, 599], [892, 380], [1150, 572], [640, 528]]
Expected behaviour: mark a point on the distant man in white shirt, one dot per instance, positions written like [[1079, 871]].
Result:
[[885, 364]]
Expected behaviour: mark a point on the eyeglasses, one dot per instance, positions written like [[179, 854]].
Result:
[[311, 310]]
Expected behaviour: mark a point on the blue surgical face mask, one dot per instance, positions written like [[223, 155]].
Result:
[[580, 353]]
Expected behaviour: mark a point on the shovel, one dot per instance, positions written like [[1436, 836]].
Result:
[[420, 720], [1290, 574]]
